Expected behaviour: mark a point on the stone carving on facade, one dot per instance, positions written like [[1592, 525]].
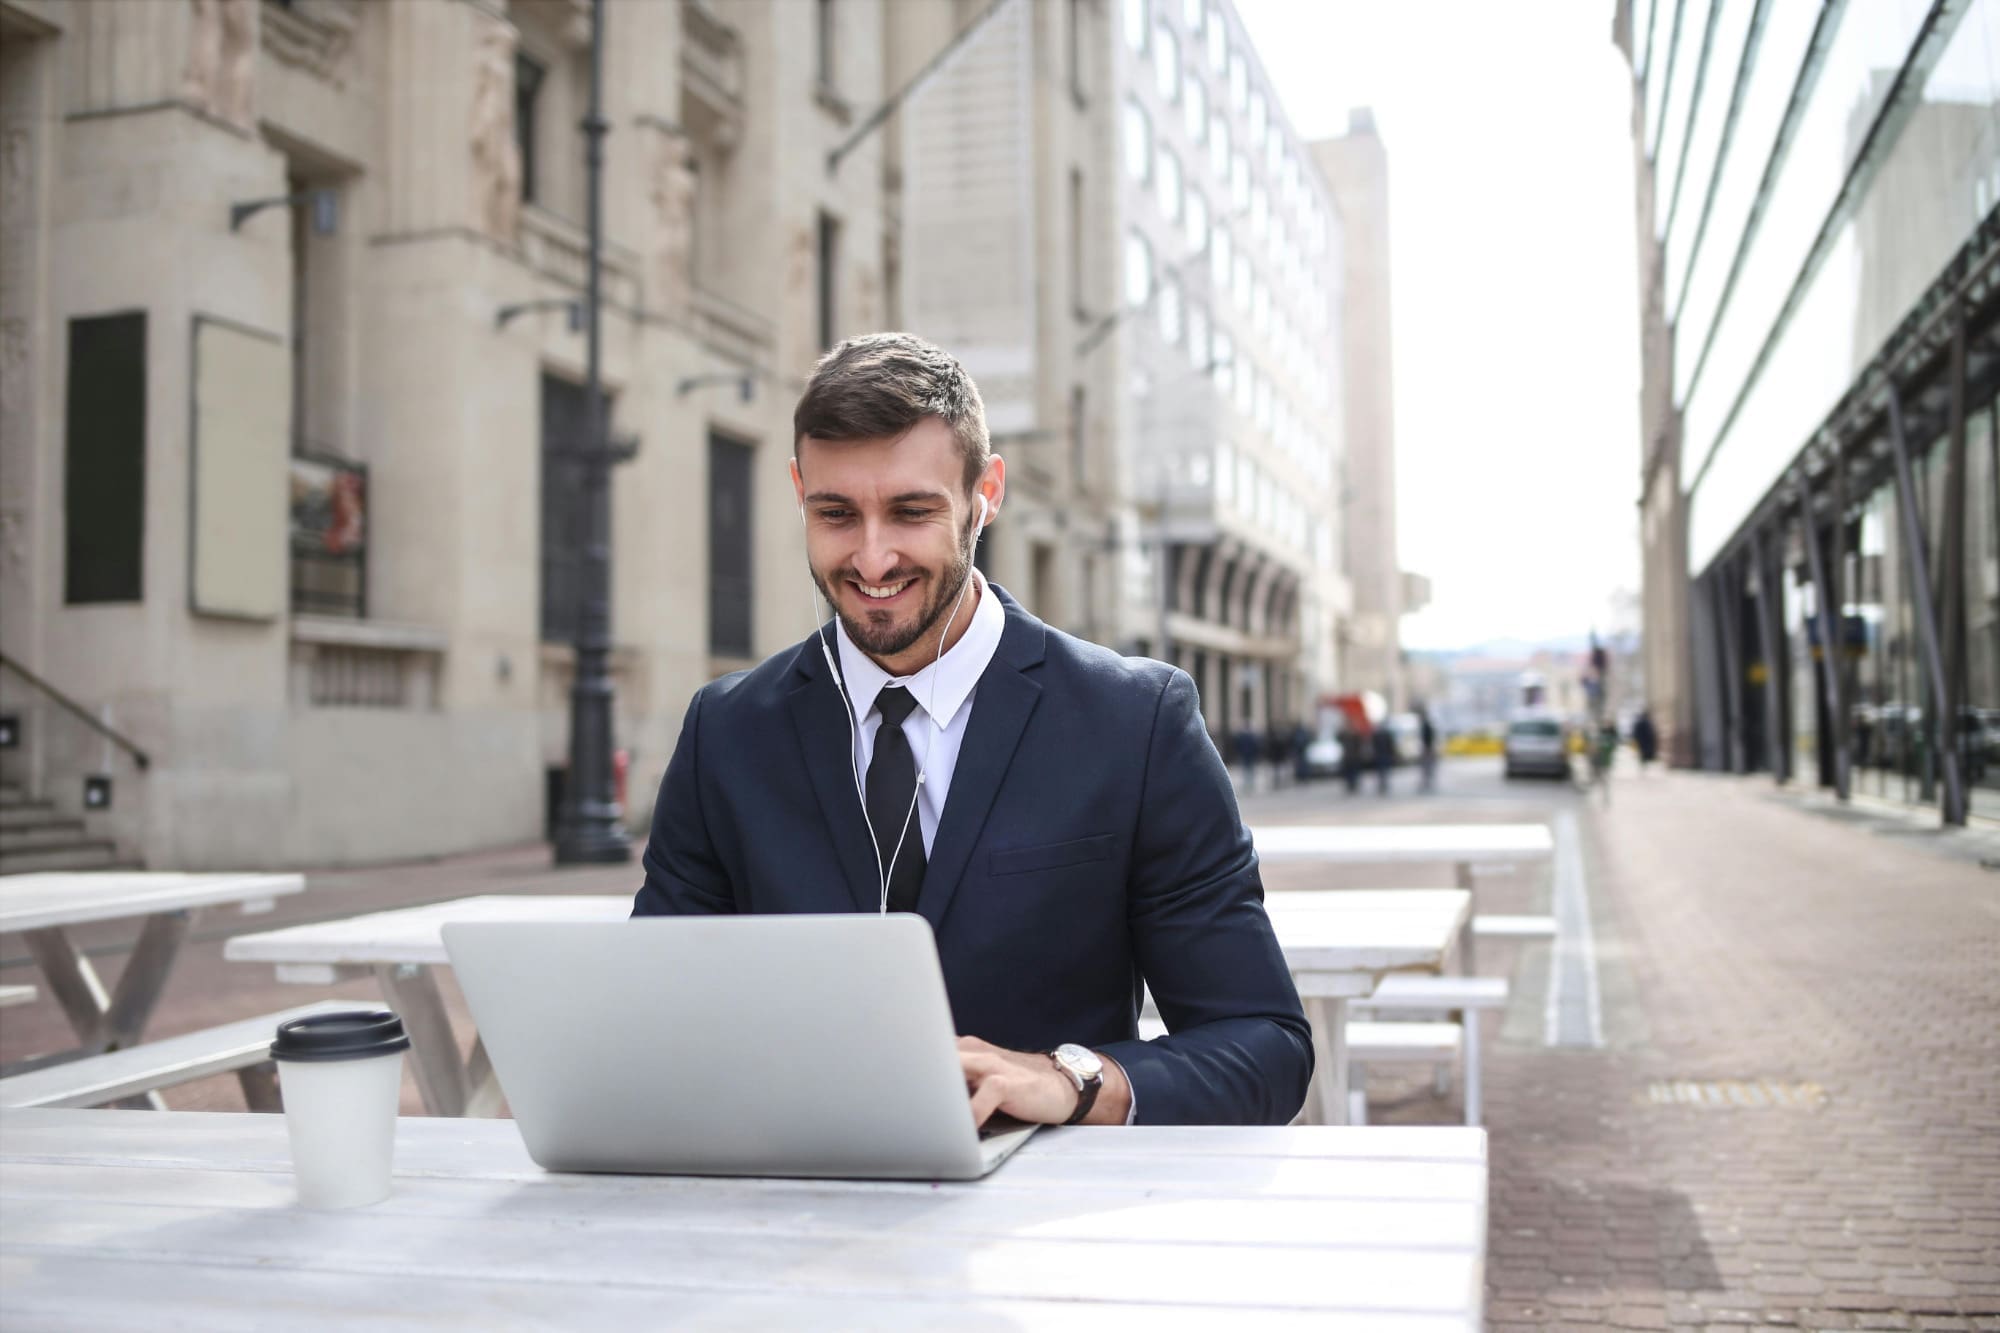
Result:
[[313, 35], [674, 183], [496, 156], [222, 58]]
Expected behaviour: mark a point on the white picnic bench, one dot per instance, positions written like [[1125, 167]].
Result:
[[1337, 945], [188, 1219], [45, 907], [1467, 848]]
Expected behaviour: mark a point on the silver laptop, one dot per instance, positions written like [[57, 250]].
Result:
[[725, 1046]]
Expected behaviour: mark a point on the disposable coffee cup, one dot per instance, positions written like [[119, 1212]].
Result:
[[341, 1076]]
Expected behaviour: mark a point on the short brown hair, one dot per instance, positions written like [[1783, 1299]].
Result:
[[881, 384]]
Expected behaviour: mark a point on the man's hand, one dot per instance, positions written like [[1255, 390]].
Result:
[[1027, 1086]]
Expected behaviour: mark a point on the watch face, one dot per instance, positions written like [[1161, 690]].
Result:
[[1081, 1059]]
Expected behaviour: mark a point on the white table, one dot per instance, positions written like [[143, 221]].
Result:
[[400, 949], [44, 906], [187, 1219], [1466, 847], [1337, 944]]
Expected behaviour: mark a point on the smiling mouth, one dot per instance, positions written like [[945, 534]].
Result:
[[882, 592]]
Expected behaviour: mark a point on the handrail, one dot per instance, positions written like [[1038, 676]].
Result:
[[139, 756]]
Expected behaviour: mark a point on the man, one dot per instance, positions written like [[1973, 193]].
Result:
[[1056, 812]]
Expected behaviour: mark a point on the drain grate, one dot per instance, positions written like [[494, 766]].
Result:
[[1729, 1093]]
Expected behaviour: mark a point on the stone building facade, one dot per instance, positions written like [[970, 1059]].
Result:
[[292, 379], [282, 486]]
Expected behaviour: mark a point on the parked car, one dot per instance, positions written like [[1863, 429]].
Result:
[[1321, 758], [1535, 744]]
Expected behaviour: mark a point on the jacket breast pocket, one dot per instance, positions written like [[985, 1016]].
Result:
[[1053, 856]]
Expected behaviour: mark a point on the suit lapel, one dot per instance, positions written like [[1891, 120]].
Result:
[[1000, 710], [827, 747]]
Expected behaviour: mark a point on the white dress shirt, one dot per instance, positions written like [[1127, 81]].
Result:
[[943, 691], [936, 726]]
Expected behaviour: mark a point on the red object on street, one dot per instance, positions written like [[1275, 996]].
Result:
[[621, 763]]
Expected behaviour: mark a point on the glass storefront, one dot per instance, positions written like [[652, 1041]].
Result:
[[1893, 713]]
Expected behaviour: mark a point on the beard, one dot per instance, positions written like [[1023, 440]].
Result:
[[879, 633]]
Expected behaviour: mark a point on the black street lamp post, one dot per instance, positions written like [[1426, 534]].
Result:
[[591, 828]]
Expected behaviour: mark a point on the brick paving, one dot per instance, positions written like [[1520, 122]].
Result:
[[1744, 935], [1741, 935]]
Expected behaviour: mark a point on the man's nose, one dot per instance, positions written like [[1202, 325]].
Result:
[[878, 554]]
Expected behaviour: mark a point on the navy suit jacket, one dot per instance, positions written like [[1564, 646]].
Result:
[[1090, 841]]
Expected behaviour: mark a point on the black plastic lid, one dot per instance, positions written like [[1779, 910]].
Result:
[[347, 1035]]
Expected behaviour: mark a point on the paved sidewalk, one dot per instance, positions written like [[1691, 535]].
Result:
[[1847, 969]]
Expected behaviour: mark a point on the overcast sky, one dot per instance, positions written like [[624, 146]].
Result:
[[1513, 290]]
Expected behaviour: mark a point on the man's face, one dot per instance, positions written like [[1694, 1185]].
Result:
[[888, 533]]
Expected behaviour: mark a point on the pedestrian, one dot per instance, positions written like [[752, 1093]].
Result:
[[1647, 737], [1429, 758], [1350, 758], [1384, 745], [1050, 808], [1246, 756]]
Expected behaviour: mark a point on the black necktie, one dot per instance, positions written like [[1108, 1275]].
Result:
[[892, 785]]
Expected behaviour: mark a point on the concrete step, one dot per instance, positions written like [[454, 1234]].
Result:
[[54, 835], [40, 815], [99, 854], [13, 813]]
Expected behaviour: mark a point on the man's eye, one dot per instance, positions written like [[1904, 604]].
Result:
[[913, 515], [833, 515]]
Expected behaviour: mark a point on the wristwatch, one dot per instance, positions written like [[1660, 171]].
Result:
[[1085, 1070]]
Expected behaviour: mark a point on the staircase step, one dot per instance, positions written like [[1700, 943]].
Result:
[[53, 836], [25, 812], [99, 855]]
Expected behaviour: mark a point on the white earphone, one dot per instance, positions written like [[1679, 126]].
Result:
[[847, 708]]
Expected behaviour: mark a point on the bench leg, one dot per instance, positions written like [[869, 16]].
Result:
[[114, 1020], [1329, 1027], [412, 991], [483, 1095], [1470, 1053], [260, 1087], [1463, 878], [1357, 1095]]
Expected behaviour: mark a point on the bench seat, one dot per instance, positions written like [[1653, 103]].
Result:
[[135, 1071]]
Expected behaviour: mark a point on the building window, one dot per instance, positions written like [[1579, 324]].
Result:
[[824, 33], [104, 464], [1170, 310], [1138, 270], [1191, 12], [1197, 331], [1218, 42], [565, 430], [1169, 181], [1239, 81], [1219, 260], [1195, 105], [1076, 233], [1218, 143], [1136, 25], [1258, 120], [730, 496], [529, 76], [1225, 361], [829, 280], [1167, 65], [1197, 219], [1138, 143], [1239, 182]]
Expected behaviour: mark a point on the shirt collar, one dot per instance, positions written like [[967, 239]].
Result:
[[945, 684]]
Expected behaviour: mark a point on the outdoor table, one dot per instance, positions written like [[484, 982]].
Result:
[[1467, 847], [187, 1219], [400, 949], [1338, 944], [44, 906]]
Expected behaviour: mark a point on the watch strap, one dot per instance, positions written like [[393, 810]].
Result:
[[1086, 1089]]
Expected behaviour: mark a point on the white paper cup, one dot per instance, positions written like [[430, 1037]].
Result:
[[341, 1076]]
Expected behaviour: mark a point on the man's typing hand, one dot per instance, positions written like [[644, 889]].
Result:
[[1027, 1086]]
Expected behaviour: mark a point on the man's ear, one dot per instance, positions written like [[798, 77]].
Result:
[[798, 486]]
